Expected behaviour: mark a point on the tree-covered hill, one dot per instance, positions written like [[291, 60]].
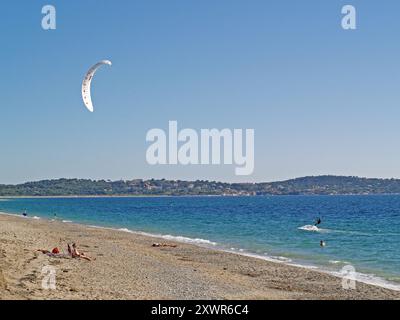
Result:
[[314, 185]]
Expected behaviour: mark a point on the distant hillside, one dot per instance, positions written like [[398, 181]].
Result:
[[319, 185]]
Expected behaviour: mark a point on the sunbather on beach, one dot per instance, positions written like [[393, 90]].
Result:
[[164, 245], [73, 251], [54, 253]]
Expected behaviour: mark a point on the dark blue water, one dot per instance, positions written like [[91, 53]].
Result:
[[363, 231]]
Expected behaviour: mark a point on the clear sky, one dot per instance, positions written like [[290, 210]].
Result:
[[322, 100]]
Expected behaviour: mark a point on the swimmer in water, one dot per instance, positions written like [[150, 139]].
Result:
[[322, 244]]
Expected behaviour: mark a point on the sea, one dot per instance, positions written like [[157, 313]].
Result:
[[360, 233]]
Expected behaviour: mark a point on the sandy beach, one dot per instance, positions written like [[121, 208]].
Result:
[[127, 266]]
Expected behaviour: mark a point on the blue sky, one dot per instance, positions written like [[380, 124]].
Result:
[[321, 100]]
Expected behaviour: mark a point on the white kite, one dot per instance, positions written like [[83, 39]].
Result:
[[86, 96]]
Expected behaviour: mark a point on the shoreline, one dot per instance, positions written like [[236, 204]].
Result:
[[369, 279], [282, 281], [366, 278]]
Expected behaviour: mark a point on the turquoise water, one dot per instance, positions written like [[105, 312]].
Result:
[[363, 231]]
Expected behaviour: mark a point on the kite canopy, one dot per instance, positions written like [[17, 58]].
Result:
[[86, 94]]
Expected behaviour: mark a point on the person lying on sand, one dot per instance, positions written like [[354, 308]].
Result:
[[164, 245], [55, 253], [73, 251]]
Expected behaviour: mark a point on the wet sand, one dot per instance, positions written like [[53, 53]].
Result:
[[126, 266]]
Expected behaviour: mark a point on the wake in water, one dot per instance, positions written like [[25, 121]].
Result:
[[313, 228]]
